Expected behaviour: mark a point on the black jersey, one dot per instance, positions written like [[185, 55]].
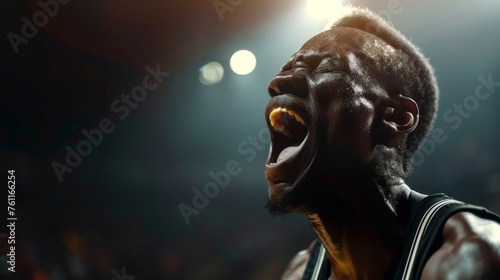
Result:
[[421, 240]]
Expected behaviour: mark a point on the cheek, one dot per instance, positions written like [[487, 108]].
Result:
[[349, 126], [345, 115], [363, 115]]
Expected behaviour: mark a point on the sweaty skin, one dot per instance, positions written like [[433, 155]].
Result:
[[336, 83]]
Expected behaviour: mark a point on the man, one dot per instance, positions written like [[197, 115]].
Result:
[[346, 114]]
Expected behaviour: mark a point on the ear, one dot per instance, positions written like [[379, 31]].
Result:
[[403, 117]]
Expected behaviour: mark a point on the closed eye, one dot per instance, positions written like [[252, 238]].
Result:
[[294, 65], [329, 65]]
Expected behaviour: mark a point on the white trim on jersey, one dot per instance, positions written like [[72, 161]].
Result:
[[319, 262], [422, 227]]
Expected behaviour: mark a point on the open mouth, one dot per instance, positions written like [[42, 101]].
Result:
[[289, 132]]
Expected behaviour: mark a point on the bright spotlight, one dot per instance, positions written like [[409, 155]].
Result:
[[323, 9], [211, 73], [243, 62]]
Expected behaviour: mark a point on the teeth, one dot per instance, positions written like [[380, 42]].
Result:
[[280, 123]]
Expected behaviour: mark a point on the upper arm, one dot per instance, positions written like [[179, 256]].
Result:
[[470, 250]]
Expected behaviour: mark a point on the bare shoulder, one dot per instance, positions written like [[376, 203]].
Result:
[[470, 250], [297, 265]]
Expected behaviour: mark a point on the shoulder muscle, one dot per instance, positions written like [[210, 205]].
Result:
[[470, 250]]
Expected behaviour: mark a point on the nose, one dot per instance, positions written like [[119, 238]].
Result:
[[289, 83]]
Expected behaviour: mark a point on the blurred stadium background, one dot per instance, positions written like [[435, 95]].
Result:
[[117, 212]]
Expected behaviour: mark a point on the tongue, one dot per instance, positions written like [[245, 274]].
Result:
[[287, 152]]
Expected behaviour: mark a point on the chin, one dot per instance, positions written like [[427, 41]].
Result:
[[289, 202]]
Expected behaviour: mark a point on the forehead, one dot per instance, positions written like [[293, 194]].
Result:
[[335, 38], [342, 41]]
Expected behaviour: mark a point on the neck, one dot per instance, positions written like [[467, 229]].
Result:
[[362, 235]]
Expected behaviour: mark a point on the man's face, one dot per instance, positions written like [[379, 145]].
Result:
[[323, 106]]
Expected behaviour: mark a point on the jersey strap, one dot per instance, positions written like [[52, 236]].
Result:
[[318, 266], [424, 234], [419, 234]]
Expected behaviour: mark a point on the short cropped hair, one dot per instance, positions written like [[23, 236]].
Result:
[[418, 79]]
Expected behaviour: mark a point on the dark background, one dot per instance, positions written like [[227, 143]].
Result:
[[119, 208]]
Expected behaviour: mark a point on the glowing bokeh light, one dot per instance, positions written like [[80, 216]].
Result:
[[211, 73], [243, 62]]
